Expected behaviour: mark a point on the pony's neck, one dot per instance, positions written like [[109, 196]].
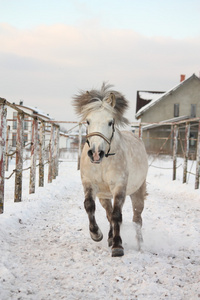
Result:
[[116, 140]]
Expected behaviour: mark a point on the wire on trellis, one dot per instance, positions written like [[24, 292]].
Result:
[[28, 168], [165, 168], [157, 154]]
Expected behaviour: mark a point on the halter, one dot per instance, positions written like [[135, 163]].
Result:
[[103, 137]]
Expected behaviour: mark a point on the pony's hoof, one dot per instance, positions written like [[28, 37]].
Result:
[[97, 237], [117, 252]]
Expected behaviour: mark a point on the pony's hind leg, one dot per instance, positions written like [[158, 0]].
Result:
[[89, 205], [107, 205], [138, 205]]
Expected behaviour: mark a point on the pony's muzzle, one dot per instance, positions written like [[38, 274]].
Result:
[[96, 156]]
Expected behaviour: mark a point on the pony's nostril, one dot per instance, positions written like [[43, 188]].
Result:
[[96, 156], [90, 153], [101, 154]]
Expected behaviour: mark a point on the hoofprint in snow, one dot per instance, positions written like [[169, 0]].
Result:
[[47, 253]]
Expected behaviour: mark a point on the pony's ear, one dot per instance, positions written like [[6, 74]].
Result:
[[111, 100]]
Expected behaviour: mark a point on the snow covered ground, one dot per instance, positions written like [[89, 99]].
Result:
[[47, 253]]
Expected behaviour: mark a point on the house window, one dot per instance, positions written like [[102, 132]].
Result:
[[192, 140], [176, 110], [14, 140], [193, 110], [25, 122], [25, 138], [15, 120]]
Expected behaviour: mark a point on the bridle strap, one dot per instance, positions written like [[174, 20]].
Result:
[[96, 133]]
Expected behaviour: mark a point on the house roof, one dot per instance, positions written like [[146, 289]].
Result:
[[144, 97], [163, 96]]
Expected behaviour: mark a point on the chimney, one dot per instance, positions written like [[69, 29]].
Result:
[[182, 77]]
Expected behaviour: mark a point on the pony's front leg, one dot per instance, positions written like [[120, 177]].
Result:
[[117, 248], [107, 205], [89, 205]]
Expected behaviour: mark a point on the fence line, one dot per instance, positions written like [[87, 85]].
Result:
[[38, 124], [4, 161], [175, 136]]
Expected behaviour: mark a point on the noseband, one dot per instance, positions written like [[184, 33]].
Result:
[[103, 137]]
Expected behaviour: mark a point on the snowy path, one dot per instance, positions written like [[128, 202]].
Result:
[[46, 251]]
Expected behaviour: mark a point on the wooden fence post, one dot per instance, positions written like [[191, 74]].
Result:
[[79, 146], [7, 147], [56, 151], [3, 113], [197, 160], [33, 155], [186, 151], [140, 131], [175, 146], [41, 154], [50, 173], [19, 157]]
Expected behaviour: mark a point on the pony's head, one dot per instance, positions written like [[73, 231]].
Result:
[[101, 110]]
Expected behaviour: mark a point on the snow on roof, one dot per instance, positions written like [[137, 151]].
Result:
[[149, 95], [35, 110], [155, 100]]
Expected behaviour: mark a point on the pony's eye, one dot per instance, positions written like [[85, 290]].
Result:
[[110, 123], [87, 122]]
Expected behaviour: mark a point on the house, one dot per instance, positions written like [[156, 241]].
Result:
[[182, 102], [12, 122], [34, 112]]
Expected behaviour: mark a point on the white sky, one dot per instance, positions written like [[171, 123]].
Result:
[[52, 48]]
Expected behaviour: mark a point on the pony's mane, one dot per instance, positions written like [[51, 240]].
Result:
[[87, 102]]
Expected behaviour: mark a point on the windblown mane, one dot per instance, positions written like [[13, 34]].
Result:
[[89, 101]]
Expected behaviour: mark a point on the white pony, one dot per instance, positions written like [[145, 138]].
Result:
[[113, 163]]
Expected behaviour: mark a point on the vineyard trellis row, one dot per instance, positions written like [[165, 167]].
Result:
[[37, 123]]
